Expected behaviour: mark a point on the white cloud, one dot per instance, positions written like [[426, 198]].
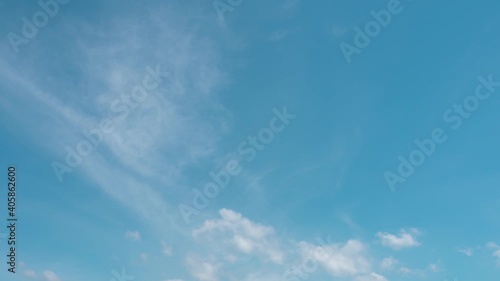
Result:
[[244, 235], [350, 259], [260, 276], [133, 235], [496, 251], [160, 137], [389, 263], [371, 277], [435, 267], [203, 269], [231, 258], [467, 251], [411, 272], [406, 271], [50, 276], [348, 220], [234, 240], [406, 239], [165, 249], [29, 273]]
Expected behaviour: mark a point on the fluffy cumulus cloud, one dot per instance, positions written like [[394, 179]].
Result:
[[407, 238], [350, 259], [203, 269], [244, 242], [244, 235]]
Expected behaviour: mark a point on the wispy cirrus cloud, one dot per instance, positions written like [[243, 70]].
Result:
[[159, 137]]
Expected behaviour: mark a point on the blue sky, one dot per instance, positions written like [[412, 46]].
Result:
[[301, 136]]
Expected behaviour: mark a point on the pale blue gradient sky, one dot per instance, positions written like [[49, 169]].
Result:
[[322, 176]]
